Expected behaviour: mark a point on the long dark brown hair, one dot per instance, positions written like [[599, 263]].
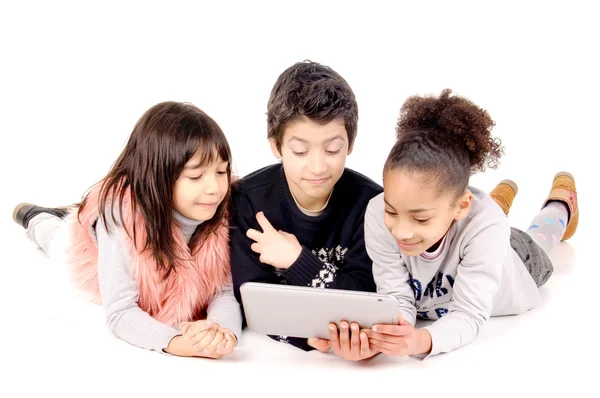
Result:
[[163, 140]]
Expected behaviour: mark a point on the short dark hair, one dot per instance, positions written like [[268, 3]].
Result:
[[309, 89]]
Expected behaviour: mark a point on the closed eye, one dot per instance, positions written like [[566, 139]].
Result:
[[422, 221]]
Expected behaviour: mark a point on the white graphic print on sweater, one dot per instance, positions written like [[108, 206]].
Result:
[[331, 259]]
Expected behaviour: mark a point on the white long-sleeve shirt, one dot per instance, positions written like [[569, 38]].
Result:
[[475, 275], [119, 293]]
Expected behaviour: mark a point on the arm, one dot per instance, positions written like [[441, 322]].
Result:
[[245, 264], [118, 291], [225, 310], [355, 274], [389, 270], [477, 282]]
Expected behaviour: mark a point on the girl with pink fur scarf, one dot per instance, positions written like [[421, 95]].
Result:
[[150, 240]]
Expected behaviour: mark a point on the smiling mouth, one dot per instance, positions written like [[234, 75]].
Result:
[[208, 205], [317, 181], [408, 245]]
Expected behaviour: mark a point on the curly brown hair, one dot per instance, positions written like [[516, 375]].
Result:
[[312, 90], [446, 137]]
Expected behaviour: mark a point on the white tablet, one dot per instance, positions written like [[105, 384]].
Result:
[[296, 311]]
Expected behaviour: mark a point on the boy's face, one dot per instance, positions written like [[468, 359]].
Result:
[[313, 157], [416, 214]]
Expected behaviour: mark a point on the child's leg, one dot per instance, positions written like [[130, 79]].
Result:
[[41, 223], [532, 255], [533, 246], [548, 227], [555, 222], [42, 229]]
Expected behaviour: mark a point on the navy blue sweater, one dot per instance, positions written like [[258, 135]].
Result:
[[333, 246]]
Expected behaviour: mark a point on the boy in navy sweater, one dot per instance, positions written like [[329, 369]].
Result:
[[300, 222]]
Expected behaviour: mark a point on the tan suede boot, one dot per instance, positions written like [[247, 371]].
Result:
[[564, 190], [504, 194]]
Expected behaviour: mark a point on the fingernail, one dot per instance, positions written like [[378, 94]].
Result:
[[208, 322], [363, 336], [374, 328], [354, 327], [331, 327]]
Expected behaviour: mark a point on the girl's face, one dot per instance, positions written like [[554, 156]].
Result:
[[200, 188], [416, 214]]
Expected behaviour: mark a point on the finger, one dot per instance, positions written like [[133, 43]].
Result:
[[394, 330], [365, 348], [383, 346], [320, 344], [200, 326], [344, 336], [254, 235], [354, 338], [223, 344], [230, 344], [256, 248], [384, 351], [334, 337], [384, 337], [196, 338], [264, 223], [212, 347], [206, 340]]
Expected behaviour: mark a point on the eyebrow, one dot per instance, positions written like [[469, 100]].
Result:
[[411, 210], [337, 137]]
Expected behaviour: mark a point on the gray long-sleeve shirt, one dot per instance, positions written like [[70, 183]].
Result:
[[119, 293], [475, 275]]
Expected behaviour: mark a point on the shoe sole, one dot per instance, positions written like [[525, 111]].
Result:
[[17, 209], [564, 174], [511, 184]]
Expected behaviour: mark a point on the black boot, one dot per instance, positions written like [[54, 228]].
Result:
[[24, 212]]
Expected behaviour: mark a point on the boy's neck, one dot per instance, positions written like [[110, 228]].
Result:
[[314, 208]]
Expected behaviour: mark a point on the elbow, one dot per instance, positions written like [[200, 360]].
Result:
[[112, 321]]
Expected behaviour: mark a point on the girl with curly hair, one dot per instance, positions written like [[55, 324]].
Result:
[[444, 248]]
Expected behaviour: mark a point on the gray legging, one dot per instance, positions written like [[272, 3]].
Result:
[[533, 256]]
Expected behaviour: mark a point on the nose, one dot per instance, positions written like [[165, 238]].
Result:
[[402, 233], [211, 185], [316, 163]]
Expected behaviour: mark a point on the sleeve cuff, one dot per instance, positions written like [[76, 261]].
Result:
[[304, 269]]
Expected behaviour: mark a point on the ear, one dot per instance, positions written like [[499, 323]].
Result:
[[463, 205], [274, 149]]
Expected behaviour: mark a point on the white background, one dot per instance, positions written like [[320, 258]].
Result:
[[75, 77]]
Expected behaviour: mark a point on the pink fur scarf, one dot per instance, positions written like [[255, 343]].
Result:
[[183, 296]]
